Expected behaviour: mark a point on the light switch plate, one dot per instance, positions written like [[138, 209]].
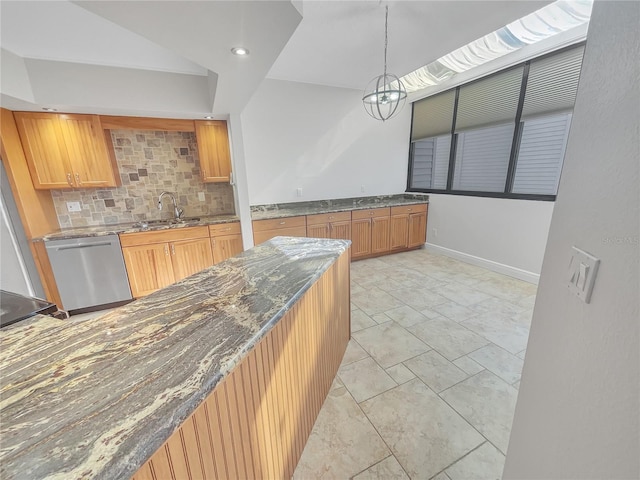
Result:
[[74, 207], [583, 268]]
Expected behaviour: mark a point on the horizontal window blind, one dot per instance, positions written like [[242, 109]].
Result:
[[422, 163], [541, 154], [441, 162], [433, 116], [553, 83], [490, 101], [482, 159], [431, 162]]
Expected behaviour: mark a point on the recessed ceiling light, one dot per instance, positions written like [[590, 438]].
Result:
[[47, 109], [240, 51], [208, 117]]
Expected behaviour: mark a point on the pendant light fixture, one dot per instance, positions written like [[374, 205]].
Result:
[[385, 95]]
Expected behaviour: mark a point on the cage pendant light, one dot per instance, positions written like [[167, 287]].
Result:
[[385, 95]]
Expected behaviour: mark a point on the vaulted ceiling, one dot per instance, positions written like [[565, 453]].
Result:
[[173, 58]]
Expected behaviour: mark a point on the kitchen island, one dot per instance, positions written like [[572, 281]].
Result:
[[219, 375]]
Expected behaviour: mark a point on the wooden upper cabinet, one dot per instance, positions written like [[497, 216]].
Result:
[[213, 149], [44, 149], [65, 151], [87, 150]]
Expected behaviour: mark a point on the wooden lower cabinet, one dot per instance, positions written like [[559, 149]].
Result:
[[157, 259], [417, 229], [329, 225], [370, 233], [226, 241], [256, 421], [399, 232], [264, 230]]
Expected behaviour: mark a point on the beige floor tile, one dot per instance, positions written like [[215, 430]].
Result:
[[461, 294], [435, 370], [454, 311], [387, 469], [380, 318], [497, 305], [364, 379], [373, 300], [488, 403], [400, 373], [418, 299], [389, 344], [405, 316], [430, 313], [343, 441], [448, 337], [353, 353], [468, 365], [356, 288], [337, 383], [441, 476], [484, 463], [505, 365], [360, 320], [502, 330], [424, 433]]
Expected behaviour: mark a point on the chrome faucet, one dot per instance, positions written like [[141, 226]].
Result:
[[177, 212]]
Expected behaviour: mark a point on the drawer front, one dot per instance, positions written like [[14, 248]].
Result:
[[370, 213], [161, 236], [275, 223], [224, 229], [328, 218], [418, 208]]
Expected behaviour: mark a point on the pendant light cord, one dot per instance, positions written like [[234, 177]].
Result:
[[386, 19]]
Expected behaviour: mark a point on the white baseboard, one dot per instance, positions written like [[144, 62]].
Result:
[[488, 264]]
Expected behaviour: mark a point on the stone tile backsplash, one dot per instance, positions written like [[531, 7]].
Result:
[[148, 162]]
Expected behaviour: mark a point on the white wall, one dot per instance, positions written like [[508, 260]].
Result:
[[320, 139], [508, 236], [578, 410]]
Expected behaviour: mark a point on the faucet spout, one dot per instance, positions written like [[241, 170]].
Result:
[[177, 211]]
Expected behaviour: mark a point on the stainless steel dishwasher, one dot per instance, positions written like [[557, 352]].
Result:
[[89, 271]]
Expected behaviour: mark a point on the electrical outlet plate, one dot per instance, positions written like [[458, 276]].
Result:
[[201, 196], [74, 207], [299, 191], [583, 268]]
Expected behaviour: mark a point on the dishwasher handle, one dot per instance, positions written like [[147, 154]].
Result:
[[86, 245]]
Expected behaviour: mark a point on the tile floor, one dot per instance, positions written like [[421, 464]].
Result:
[[428, 384]]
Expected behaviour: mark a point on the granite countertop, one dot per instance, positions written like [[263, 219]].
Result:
[[98, 231], [281, 210], [96, 398]]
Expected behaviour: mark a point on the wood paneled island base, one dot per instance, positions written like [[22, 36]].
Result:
[[256, 421]]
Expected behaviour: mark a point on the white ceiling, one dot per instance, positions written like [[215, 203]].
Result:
[[336, 43]]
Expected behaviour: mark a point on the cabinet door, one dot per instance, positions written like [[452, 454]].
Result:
[[417, 229], [87, 151], [380, 234], [149, 268], [399, 231], [190, 256], [45, 150], [226, 246], [341, 230], [213, 149], [319, 231], [360, 238]]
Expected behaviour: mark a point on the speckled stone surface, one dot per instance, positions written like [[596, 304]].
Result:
[[101, 230], [281, 210], [95, 399]]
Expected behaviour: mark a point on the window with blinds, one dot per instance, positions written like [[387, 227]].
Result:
[[505, 134]]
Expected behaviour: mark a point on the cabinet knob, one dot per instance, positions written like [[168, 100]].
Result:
[[69, 179], [331, 217], [409, 209], [282, 223], [166, 250], [213, 242], [173, 249], [370, 213], [78, 179]]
